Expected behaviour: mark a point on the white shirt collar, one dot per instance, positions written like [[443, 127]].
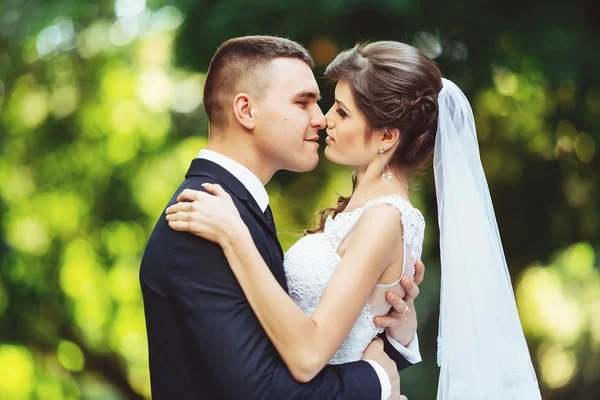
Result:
[[243, 174]]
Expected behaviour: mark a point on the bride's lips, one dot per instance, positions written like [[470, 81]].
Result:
[[329, 139]]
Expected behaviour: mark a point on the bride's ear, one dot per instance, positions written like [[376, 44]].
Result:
[[390, 138]]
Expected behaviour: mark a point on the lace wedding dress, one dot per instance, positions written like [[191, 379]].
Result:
[[310, 263]]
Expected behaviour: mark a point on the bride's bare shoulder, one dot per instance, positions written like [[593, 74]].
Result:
[[379, 222]]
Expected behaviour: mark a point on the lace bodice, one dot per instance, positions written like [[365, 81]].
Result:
[[310, 263]]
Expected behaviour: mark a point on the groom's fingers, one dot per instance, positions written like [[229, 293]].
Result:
[[419, 272], [397, 302], [399, 307], [388, 321], [412, 290]]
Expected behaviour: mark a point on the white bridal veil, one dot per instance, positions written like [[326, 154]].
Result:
[[482, 351]]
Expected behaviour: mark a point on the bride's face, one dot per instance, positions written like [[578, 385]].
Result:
[[347, 130]]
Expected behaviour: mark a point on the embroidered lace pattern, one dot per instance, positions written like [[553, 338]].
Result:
[[310, 263]]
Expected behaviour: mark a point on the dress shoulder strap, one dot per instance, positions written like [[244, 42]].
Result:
[[394, 200]]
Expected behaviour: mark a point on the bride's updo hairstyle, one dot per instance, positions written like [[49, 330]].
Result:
[[394, 85]]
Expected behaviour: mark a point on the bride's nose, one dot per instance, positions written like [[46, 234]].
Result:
[[329, 119], [330, 123]]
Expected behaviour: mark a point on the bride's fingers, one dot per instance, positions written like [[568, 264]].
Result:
[[211, 188], [182, 226], [215, 189], [182, 206], [179, 216], [190, 195]]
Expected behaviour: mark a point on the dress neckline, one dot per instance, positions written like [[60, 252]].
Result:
[[349, 213]]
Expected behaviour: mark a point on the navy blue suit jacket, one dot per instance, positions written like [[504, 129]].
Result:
[[204, 340]]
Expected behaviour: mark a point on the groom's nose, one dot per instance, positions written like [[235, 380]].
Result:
[[318, 119]]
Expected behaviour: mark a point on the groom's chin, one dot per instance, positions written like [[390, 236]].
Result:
[[314, 163], [307, 165]]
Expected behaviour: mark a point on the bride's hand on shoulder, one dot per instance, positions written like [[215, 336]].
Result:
[[212, 215]]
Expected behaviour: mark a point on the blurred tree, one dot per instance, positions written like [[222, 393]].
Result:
[[100, 115]]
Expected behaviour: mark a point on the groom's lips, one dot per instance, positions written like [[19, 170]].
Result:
[[312, 139]]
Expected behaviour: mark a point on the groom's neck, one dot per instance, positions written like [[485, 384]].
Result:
[[243, 153]]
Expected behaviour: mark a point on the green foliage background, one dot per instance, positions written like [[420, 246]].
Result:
[[100, 115]]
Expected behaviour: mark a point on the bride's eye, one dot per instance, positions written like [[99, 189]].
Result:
[[341, 112]]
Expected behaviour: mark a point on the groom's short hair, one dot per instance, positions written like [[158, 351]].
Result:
[[236, 67]]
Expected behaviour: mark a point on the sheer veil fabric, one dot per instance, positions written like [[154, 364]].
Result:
[[482, 352]]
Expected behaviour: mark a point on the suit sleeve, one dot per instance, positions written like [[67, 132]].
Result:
[[401, 362], [231, 340]]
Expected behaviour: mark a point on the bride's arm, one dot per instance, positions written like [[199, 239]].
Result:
[[306, 343]]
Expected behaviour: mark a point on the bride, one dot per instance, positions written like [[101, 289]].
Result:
[[392, 112]]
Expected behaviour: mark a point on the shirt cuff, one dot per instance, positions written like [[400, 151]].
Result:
[[411, 352], [384, 379]]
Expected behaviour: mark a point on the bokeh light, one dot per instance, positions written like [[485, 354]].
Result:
[[18, 372], [70, 356], [101, 113]]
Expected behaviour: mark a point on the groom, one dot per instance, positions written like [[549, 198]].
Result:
[[204, 340]]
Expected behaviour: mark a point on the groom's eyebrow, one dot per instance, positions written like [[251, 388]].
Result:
[[308, 94]]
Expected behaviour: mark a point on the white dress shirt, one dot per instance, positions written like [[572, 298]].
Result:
[[259, 193], [243, 174]]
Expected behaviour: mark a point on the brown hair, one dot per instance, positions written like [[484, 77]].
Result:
[[394, 85], [236, 62]]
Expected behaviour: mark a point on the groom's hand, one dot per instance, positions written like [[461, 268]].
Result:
[[401, 322], [374, 352]]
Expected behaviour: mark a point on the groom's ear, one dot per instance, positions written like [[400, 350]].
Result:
[[243, 112]]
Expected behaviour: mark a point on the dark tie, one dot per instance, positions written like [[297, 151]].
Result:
[[270, 220]]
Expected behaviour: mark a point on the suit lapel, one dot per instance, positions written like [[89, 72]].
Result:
[[202, 167]]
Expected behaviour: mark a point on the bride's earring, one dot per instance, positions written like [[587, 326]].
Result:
[[387, 177]]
